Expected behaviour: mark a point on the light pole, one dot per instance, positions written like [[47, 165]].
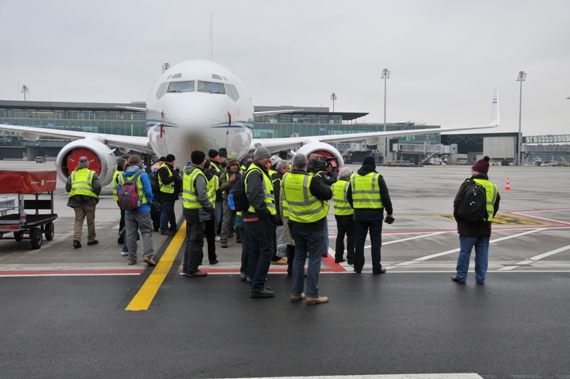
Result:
[[333, 98], [520, 78], [385, 76], [25, 90]]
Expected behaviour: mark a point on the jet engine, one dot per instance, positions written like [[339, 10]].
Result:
[[100, 156], [323, 149]]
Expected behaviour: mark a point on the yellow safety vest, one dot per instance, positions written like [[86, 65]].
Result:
[[302, 206], [267, 190], [365, 191], [82, 183], [116, 184], [213, 186], [491, 191], [341, 205], [166, 188], [140, 187], [189, 196], [216, 168]]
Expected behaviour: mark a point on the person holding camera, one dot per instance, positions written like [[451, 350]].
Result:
[[321, 167], [368, 196], [170, 182]]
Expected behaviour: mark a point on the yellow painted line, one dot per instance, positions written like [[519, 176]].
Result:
[[142, 300]]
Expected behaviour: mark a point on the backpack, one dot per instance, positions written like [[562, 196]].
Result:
[[237, 199], [129, 199], [473, 204], [154, 181]]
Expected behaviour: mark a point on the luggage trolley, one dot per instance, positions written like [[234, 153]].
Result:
[[34, 191]]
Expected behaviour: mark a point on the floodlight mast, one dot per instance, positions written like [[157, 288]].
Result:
[[385, 76], [521, 78]]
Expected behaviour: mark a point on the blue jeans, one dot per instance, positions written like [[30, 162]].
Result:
[[260, 246], [311, 243], [167, 215], [361, 229], [481, 257], [219, 214]]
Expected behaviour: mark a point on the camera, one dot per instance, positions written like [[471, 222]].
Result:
[[317, 164]]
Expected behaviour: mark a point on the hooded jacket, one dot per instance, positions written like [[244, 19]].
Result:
[[199, 214], [147, 188]]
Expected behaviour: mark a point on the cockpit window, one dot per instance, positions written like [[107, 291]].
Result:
[[232, 92], [187, 86], [161, 90], [211, 87]]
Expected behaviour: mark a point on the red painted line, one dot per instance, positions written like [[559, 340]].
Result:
[[70, 272]]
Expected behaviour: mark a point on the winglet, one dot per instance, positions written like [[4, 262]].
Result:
[[495, 110]]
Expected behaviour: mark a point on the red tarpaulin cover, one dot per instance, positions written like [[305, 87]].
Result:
[[27, 181]]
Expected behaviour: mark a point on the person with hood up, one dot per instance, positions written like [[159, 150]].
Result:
[[138, 219], [368, 196]]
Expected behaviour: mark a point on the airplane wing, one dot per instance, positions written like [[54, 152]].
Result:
[[275, 144], [129, 142]]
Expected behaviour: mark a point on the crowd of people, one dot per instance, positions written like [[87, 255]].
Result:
[[285, 222]]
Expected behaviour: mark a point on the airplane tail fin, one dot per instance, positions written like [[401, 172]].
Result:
[[495, 110]]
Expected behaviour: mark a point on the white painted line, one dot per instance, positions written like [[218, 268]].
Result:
[[425, 258], [530, 261], [412, 238], [389, 376]]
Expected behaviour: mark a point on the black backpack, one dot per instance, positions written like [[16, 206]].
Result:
[[473, 204], [129, 199], [237, 199], [154, 181]]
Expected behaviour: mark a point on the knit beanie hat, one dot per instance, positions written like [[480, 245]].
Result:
[[213, 153], [482, 165], [170, 158], [83, 162], [197, 157], [223, 152], [369, 161], [260, 153]]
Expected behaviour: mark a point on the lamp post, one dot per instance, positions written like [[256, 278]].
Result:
[[333, 98], [25, 90], [385, 76], [521, 78]]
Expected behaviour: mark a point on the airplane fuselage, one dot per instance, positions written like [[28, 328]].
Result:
[[197, 105]]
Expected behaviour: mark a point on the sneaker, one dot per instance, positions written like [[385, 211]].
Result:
[[282, 261], [124, 253], [94, 242], [130, 263], [168, 233], [317, 300], [217, 238], [76, 244], [264, 293], [149, 261], [243, 276], [183, 273], [197, 274], [296, 299], [456, 280]]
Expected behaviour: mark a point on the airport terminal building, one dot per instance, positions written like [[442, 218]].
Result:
[[108, 118]]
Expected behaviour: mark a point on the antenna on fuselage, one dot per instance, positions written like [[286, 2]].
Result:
[[211, 50]]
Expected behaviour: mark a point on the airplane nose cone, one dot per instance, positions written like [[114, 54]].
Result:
[[197, 112]]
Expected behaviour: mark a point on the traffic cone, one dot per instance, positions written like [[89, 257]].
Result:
[[508, 186]]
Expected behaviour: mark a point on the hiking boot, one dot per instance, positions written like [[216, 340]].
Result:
[[168, 233], [94, 242], [130, 263], [317, 300], [296, 299], [76, 244], [197, 274], [282, 261], [264, 293]]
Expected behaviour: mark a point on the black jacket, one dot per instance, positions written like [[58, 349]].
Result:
[[319, 190], [256, 195], [166, 179], [364, 214]]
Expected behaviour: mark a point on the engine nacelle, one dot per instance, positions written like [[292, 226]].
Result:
[[100, 156], [323, 149]]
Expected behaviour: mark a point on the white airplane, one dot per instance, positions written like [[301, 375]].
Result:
[[199, 105]]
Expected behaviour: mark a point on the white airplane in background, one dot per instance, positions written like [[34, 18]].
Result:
[[199, 105]]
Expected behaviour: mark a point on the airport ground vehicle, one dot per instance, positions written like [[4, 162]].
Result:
[[33, 191]]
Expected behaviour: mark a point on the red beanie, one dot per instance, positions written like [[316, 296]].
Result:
[[482, 165]]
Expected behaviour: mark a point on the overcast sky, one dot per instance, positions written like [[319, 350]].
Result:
[[445, 57]]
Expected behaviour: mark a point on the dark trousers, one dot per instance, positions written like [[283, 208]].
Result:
[[244, 251], [345, 226], [361, 229], [211, 239], [193, 248], [260, 241], [167, 216]]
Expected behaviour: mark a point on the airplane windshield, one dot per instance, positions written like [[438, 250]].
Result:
[[211, 87], [187, 86]]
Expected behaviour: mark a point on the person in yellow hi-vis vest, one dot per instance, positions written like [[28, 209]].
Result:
[[368, 195], [344, 215], [84, 187], [476, 234], [306, 200], [197, 210]]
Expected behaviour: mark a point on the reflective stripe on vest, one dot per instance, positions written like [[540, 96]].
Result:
[[116, 184], [82, 183], [140, 187], [302, 206], [166, 188], [267, 190], [365, 191], [213, 186], [189, 196], [341, 205], [491, 191]]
